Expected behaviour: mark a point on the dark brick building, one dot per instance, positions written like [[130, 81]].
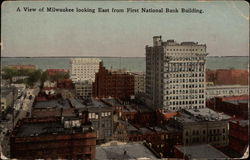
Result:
[[160, 139], [236, 106], [53, 138], [238, 135], [113, 84], [65, 83]]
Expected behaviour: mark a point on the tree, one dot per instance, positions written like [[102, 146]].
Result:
[[59, 76], [44, 76]]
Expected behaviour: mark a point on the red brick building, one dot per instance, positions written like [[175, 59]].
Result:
[[65, 83], [161, 140], [238, 136], [52, 138], [227, 76], [113, 84], [22, 66], [236, 106]]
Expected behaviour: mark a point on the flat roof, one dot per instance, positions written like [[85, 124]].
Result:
[[32, 129], [237, 101], [201, 151], [128, 108], [145, 130], [95, 103], [61, 103], [123, 151], [112, 101], [44, 128], [166, 129], [242, 123], [198, 115]]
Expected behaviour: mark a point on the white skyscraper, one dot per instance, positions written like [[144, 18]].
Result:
[[175, 74], [84, 69]]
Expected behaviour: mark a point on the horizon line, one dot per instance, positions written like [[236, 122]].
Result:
[[96, 56]]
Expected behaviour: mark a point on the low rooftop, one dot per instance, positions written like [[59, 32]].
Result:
[[123, 151], [166, 129], [242, 123], [204, 114], [82, 104], [46, 128], [128, 108], [112, 101], [237, 101], [61, 103], [205, 151]]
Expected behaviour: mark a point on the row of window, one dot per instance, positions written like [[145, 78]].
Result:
[[184, 97], [185, 80], [185, 91], [211, 139], [185, 86], [187, 107], [184, 58], [96, 115], [211, 131], [183, 69], [180, 75], [177, 49], [227, 91], [184, 102]]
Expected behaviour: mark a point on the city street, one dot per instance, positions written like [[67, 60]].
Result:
[[22, 107]]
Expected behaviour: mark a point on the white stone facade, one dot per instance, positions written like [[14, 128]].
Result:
[[175, 75], [83, 89], [226, 90], [82, 69]]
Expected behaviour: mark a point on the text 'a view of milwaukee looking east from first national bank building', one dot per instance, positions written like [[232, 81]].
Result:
[[116, 82]]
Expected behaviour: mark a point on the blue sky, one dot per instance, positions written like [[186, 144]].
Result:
[[223, 27]]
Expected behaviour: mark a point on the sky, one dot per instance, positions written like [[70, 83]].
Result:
[[223, 27]]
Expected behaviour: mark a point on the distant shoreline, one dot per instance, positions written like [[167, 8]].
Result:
[[102, 57]]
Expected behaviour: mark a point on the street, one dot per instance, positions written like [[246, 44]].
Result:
[[21, 106]]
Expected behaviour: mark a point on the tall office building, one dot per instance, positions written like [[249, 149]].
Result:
[[175, 75], [84, 69]]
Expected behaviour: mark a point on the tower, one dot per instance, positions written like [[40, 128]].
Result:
[[175, 75]]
